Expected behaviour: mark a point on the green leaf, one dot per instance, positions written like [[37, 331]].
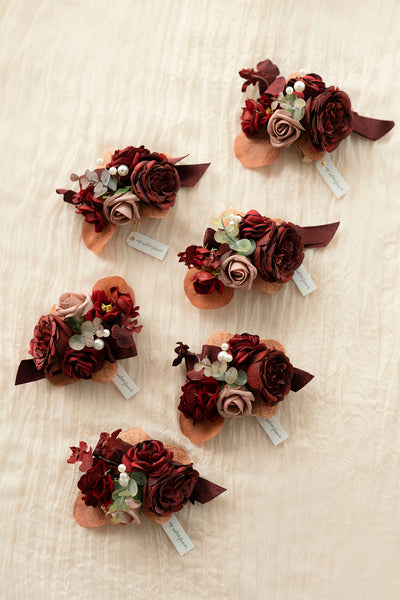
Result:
[[116, 519], [74, 323], [137, 498], [245, 247], [114, 508], [123, 190], [132, 487], [231, 375], [112, 184], [221, 237], [232, 229], [217, 224], [125, 494], [241, 378], [140, 478]]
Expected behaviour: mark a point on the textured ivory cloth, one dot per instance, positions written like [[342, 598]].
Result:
[[314, 518]]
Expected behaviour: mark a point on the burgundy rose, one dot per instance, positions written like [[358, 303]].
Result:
[[243, 347], [49, 342], [199, 399], [96, 486], [129, 156], [151, 457], [155, 181], [279, 253], [206, 283], [81, 364], [313, 84], [234, 402], [254, 226], [269, 376], [169, 493], [328, 119]]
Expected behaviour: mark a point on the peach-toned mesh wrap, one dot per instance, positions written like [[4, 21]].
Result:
[[90, 516]]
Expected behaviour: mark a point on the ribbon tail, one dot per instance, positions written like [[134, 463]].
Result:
[[190, 174], [28, 372], [317, 236], [204, 491], [300, 379], [173, 161], [373, 129], [68, 195]]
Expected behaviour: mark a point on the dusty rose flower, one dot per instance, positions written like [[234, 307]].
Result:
[[283, 129], [234, 402], [237, 271], [73, 304], [121, 209]]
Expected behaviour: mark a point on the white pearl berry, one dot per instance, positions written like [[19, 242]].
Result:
[[112, 171], [106, 332], [302, 72], [123, 170], [124, 482], [289, 90], [121, 468], [299, 86], [224, 356], [238, 219], [98, 344], [225, 346], [100, 161]]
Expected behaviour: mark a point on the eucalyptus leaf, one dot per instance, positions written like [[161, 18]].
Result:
[[226, 215], [113, 508], [74, 323], [216, 223], [125, 494], [241, 378], [116, 519], [105, 177], [112, 184], [221, 237], [140, 478], [74, 177], [232, 229], [137, 498], [219, 377], [84, 182], [245, 246], [132, 487], [231, 375]]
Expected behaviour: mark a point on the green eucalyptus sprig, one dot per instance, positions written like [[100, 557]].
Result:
[[133, 489], [292, 103], [228, 234]]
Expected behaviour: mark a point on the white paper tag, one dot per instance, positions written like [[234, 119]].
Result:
[[145, 244], [332, 177], [273, 429], [178, 535], [124, 383], [303, 281]]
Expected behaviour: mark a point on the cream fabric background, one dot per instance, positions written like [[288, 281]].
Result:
[[318, 516]]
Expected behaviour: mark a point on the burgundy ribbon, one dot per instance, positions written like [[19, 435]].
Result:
[[317, 236], [300, 379], [373, 129], [204, 491], [190, 174], [28, 372], [68, 195]]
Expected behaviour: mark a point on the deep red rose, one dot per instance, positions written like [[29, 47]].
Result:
[[254, 226], [243, 347], [312, 81], [129, 156], [279, 253], [81, 364], [206, 283], [96, 486], [328, 119], [155, 181], [199, 399], [256, 115], [49, 343], [269, 376], [169, 493], [151, 457]]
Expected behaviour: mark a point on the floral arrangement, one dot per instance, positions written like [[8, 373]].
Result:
[[246, 249], [84, 335], [301, 111], [128, 475], [234, 376], [126, 185]]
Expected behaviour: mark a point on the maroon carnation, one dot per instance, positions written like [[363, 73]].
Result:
[[124, 303], [243, 347], [328, 119], [269, 376], [199, 399], [206, 283], [104, 307], [49, 342], [151, 457], [279, 253], [81, 364], [313, 84], [254, 226], [110, 447], [256, 115], [129, 156], [96, 486], [170, 492], [198, 256], [155, 181], [90, 207]]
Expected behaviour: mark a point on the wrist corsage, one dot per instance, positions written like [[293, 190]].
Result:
[[83, 336], [127, 185], [301, 111], [247, 249], [128, 475], [234, 376]]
